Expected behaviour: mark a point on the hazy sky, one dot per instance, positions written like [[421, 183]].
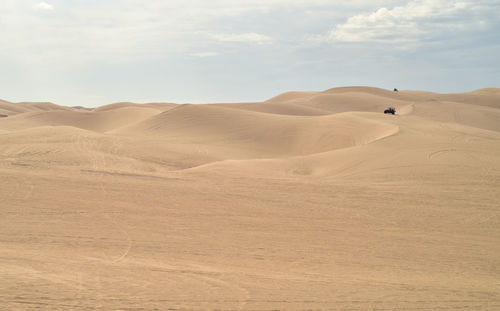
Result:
[[95, 52]]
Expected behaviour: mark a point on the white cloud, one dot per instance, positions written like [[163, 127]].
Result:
[[204, 54], [250, 37], [416, 20], [45, 6]]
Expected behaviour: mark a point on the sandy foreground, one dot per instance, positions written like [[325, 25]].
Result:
[[308, 201]]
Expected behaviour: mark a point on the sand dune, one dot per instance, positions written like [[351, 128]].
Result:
[[334, 101], [97, 120], [157, 106], [286, 108], [261, 135], [323, 103], [307, 201], [9, 108]]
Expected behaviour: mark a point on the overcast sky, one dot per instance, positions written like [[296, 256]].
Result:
[[95, 52]]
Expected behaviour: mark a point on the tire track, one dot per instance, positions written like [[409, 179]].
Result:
[[96, 147], [435, 153], [93, 150], [125, 233], [485, 169]]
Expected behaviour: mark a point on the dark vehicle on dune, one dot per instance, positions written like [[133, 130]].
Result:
[[390, 110]]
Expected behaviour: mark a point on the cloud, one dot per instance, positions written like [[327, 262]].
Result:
[[417, 20], [250, 37], [204, 54], [45, 6]]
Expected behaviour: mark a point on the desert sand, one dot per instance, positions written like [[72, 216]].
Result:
[[307, 201]]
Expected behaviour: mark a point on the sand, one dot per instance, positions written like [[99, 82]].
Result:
[[307, 201]]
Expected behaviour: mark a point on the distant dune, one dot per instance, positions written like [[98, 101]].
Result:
[[306, 201]]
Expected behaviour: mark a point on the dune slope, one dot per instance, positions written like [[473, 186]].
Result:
[[261, 135]]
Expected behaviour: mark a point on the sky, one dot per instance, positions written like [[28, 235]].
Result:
[[95, 52]]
